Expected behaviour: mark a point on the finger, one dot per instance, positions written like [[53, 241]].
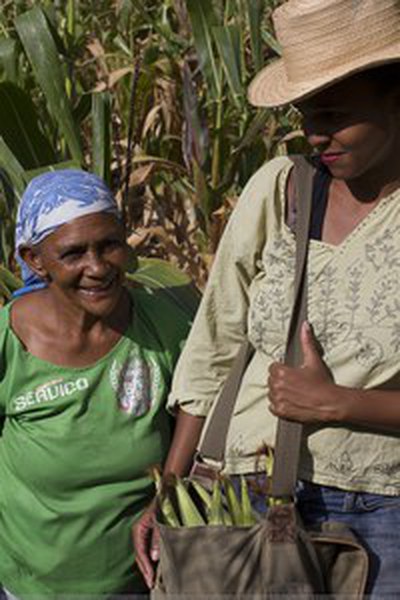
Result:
[[155, 545], [141, 538], [311, 355]]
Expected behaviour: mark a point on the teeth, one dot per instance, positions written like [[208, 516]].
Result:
[[95, 290]]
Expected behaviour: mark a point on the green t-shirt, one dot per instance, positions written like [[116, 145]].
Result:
[[75, 452]]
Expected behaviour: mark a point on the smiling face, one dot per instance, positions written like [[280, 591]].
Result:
[[84, 262], [354, 128]]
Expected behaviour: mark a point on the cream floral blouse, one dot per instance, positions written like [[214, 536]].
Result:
[[353, 306]]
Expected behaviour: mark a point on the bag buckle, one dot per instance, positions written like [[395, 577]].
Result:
[[205, 471]]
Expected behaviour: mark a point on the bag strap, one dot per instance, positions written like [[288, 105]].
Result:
[[210, 455], [289, 433]]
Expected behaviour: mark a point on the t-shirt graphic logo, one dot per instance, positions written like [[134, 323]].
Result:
[[136, 383]]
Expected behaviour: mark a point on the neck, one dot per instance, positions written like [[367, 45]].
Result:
[[375, 183], [78, 322]]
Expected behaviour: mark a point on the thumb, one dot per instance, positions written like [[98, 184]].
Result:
[[311, 355]]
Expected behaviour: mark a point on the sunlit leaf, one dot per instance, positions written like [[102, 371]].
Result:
[[154, 273], [42, 53], [8, 59]]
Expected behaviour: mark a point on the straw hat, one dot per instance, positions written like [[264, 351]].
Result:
[[324, 41]]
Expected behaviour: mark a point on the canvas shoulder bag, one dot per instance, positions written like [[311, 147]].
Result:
[[277, 555]]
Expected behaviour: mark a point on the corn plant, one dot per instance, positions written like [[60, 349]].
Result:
[[151, 96]]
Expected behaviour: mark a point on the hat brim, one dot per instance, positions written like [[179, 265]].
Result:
[[271, 87]]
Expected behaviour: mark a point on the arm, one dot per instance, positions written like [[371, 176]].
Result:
[[184, 443], [216, 335], [145, 539], [308, 394]]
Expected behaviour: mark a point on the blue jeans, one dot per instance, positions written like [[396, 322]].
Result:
[[374, 518]]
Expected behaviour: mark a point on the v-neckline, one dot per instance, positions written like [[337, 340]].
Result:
[[349, 237]]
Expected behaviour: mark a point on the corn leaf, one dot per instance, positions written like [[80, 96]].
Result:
[[101, 135], [228, 41], [20, 128], [8, 59], [154, 273], [10, 164], [9, 280], [203, 19], [41, 51], [255, 10], [271, 41]]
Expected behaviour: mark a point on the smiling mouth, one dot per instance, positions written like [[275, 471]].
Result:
[[330, 157], [98, 290]]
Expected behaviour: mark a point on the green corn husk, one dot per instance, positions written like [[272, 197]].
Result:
[[203, 494], [233, 504], [168, 512], [190, 515], [247, 511], [216, 511]]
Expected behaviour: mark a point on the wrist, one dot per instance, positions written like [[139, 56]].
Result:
[[344, 401]]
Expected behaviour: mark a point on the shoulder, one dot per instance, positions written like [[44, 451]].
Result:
[[168, 310], [259, 193]]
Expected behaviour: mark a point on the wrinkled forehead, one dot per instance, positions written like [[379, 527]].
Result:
[[55, 199]]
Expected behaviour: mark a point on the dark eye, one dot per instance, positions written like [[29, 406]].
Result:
[[112, 244], [73, 254]]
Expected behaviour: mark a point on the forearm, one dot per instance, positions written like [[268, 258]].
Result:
[[186, 436], [375, 409]]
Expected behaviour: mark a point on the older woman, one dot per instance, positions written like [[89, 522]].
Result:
[[85, 368]]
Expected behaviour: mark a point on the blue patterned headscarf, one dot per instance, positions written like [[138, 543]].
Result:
[[54, 199]]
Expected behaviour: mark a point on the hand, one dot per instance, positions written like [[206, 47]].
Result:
[[146, 542], [308, 393]]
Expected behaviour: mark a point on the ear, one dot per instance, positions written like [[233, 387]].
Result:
[[32, 257]]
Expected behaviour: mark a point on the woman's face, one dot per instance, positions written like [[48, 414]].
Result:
[[353, 127], [84, 262]]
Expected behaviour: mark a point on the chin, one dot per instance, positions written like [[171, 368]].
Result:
[[101, 305]]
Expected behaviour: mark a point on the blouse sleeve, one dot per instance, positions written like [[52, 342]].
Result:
[[220, 325]]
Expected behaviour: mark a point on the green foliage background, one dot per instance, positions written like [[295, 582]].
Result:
[[150, 95]]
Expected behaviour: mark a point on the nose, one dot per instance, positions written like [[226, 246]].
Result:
[[96, 266], [316, 133], [318, 140]]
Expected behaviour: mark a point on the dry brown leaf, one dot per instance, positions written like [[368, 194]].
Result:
[[100, 87], [95, 48], [141, 174], [116, 75], [151, 119]]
